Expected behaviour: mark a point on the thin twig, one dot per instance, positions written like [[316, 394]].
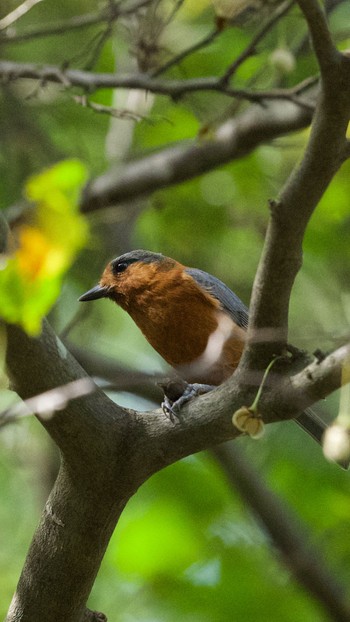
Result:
[[176, 60], [113, 112], [74, 23], [17, 13], [97, 46], [4, 233], [48, 403], [117, 377], [280, 12], [89, 81]]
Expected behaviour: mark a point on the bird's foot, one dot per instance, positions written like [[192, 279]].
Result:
[[179, 392]]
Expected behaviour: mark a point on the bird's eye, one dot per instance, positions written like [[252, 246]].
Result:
[[120, 267]]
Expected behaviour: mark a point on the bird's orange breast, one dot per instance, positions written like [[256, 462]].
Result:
[[183, 322], [175, 316]]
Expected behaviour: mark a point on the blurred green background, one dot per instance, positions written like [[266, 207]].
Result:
[[186, 548]]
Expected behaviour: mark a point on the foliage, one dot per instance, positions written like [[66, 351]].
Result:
[[44, 247], [186, 547]]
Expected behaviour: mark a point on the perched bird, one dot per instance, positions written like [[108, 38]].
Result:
[[191, 318]]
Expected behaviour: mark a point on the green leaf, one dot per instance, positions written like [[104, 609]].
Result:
[[30, 278]]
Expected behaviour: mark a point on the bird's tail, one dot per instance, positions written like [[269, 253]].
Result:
[[315, 427]]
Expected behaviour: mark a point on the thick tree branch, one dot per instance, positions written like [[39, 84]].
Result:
[[107, 453], [314, 383], [320, 378], [326, 52], [206, 421], [176, 164], [325, 152], [89, 494]]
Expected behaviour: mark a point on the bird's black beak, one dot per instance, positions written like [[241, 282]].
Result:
[[98, 291]]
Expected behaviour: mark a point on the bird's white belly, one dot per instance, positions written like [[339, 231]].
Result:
[[202, 367]]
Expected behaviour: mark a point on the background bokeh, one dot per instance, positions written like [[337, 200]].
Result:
[[186, 547]]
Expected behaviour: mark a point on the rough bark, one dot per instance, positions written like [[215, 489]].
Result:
[[107, 451]]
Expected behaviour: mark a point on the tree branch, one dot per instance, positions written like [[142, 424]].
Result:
[[90, 82], [327, 54], [176, 60], [109, 14], [4, 234], [235, 138], [209, 38], [90, 492], [280, 12], [107, 453], [319, 379], [17, 13], [325, 152], [121, 378]]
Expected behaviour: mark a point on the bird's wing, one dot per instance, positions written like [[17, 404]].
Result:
[[228, 300]]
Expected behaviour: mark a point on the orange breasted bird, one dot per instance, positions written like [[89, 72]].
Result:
[[191, 318]]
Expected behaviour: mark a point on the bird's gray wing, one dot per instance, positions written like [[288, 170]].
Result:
[[228, 300]]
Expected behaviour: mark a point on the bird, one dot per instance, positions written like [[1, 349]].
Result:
[[194, 321]]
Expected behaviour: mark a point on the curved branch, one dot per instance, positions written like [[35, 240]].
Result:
[[325, 153], [91, 489], [326, 52], [107, 453], [184, 161]]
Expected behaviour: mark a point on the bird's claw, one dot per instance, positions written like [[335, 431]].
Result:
[[172, 409], [168, 408]]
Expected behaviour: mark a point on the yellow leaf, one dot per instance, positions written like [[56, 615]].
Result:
[[46, 246]]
